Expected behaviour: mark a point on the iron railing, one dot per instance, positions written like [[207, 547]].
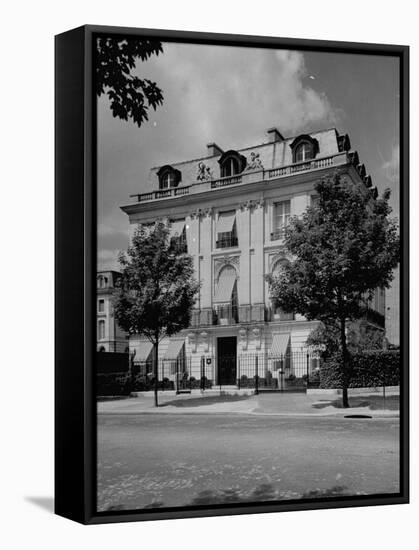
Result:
[[278, 234], [283, 171], [227, 241], [226, 315], [297, 370], [292, 371], [178, 245]]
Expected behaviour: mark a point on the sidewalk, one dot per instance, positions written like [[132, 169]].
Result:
[[276, 404]]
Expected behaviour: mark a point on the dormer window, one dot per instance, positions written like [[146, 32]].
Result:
[[303, 152], [168, 177], [304, 148], [231, 164], [102, 281]]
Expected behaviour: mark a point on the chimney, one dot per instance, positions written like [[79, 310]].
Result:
[[213, 150], [274, 135]]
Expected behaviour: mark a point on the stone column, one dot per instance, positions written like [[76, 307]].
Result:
[[257, 263], [192, 239], [205, 249], [243, 231]]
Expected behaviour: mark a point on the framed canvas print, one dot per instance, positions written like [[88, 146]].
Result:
[[231, 274]]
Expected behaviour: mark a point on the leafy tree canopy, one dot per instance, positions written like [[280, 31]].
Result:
[[157, 290], [129, 95], [326, 338], [343, 247]]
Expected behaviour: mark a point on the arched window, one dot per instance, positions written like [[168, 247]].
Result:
[[231, 164], [168, 177], [225, 298], [304, 148], [304, 152], [230, 167]]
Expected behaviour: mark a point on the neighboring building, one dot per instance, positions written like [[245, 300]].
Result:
[[229, 210], [393, 310], [110, 337]]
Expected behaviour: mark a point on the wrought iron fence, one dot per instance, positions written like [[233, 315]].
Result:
[[295, 370]]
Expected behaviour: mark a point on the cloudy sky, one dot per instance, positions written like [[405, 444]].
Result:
[[231, 96]]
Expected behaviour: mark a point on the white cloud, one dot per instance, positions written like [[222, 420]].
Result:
[[218, 93]]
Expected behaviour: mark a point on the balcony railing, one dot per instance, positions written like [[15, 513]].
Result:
[[230, 180], [162, 194], [178, 245], [276, 314], [227, 242], [245, 177], [231, 315], [226, 315], [301, 167], [278, 234]]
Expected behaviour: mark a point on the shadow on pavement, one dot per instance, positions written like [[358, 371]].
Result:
[[200, 401], [373, 402]]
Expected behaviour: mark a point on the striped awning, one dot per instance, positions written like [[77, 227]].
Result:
[[174, 348], [225, 286], [143, 351], [226, 221], [176, 227], [280, 344]]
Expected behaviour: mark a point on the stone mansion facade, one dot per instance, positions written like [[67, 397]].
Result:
[[228, 210], [110, 337]]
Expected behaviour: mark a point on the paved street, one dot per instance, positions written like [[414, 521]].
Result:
[[154, 460]]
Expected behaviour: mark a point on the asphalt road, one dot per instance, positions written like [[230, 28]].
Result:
[[163, 460]]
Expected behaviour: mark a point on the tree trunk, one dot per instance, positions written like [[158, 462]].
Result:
[[156, 372], [345, 400]]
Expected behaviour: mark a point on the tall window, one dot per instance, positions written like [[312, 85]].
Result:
[[167, 181], [168, 177], [231, 163], [101, 330], [226, 230], [230, 167], [304, 152], [101, 307], [281, 219]]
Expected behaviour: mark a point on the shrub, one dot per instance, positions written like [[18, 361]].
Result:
[[113, 384], [368, 369], [203, 382]]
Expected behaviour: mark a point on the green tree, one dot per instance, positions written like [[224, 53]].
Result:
[[129, 95], [156, 291], [326, 337], [343, 247]]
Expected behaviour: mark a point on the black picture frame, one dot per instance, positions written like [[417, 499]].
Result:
[[75, 272]]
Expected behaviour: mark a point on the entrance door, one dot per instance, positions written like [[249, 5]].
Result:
[[227, 360]]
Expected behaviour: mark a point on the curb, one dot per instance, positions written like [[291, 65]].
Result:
[[251, 413]]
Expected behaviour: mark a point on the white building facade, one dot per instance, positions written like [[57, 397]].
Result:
[[229, 210], [110, 337]]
